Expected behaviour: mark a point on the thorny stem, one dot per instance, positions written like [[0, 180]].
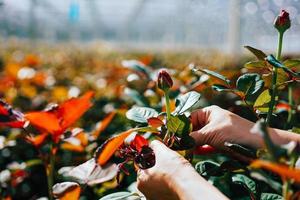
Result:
[[50, 170], [274, 79]]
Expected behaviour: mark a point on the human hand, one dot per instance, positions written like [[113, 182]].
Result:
[[215, 126], [158, 182], [173, 178]]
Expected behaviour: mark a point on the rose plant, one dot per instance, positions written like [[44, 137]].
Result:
[[157, 105]]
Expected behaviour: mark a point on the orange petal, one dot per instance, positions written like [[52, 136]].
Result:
[[66, 191], [45, 121], [83, 138], [283, 170], [103, 124], [72, 109], [38, 140], [107, 149], [72, 147]]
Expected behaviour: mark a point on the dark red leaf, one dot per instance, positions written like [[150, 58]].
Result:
[[145, 158], [10, 117], [155, 122]]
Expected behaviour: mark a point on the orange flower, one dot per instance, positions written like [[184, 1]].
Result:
[[283, 170], [60, 117]]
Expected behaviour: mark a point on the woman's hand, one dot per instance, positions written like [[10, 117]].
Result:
[[157, 182], [215, 126], [174, 178]]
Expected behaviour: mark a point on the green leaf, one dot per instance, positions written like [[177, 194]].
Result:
[[214, 74], [296, 130], [241, 149], [33, 162], [208, 168], [186, 102], [232, 166], [274, 62], [136, 66], [270, 196], [275, 151], [262, 101], [180, 125], [136, 97], [123, 196], [263, 176], [260, 55], [141, 114], [292, 63], [242, 179], [250, 84], [221, 88], [222, 183], [255, 65], [146, 129]]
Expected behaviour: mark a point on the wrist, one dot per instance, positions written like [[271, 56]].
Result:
[[188, 185], [180, 181], [281, 137]]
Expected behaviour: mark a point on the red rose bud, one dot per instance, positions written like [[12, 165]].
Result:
[[282, 21], [164, 80]]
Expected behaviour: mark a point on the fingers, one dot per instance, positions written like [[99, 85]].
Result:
[[201, 117], [198, 119], [201, 136]]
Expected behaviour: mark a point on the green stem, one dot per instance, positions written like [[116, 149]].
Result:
[[285, 189], [287, 183], [274, 80], [50, 170], [290, 98], [279, 47], [167, 98]]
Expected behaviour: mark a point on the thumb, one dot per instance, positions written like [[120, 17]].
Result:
[[201, 136], [158, 147]]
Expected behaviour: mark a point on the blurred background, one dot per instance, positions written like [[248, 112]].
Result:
[[224, 25]]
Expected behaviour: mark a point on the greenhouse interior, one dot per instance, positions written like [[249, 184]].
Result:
[[150, 99]]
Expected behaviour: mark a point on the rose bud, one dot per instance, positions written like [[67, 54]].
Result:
[[164, 80], [282, 21]]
